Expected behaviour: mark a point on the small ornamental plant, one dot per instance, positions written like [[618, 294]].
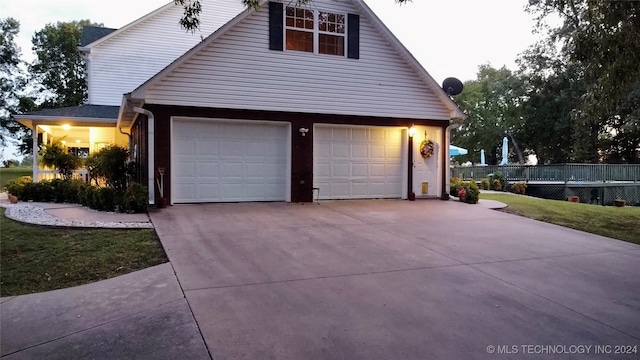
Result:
[[462, 193]]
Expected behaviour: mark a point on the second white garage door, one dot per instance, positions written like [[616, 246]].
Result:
[[358, 162], [214, 161]]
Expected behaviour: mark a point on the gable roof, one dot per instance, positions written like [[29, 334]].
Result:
[[455, 112], [88, 46], [93, 33]]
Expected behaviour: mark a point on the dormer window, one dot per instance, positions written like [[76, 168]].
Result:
[[313, 31]]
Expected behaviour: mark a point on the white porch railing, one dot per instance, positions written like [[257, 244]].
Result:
[[82, 174]]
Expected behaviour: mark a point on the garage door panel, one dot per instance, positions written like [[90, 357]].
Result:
[[208, 169], [340, 151], [360, 170], [358, 162], [230, 161], [359, 151]]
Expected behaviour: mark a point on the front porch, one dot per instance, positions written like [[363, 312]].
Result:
[[83, 129]]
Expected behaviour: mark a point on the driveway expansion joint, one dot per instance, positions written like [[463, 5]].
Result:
[[326, 277]]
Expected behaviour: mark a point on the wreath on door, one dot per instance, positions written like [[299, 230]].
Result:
[[426, 147]]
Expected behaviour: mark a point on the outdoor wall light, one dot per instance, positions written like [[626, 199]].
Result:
[[304, 131], [412, 130], [66, 127]]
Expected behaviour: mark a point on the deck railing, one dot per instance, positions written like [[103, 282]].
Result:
[[556, 173]]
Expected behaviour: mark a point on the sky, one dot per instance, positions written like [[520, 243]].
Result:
[[448, 37]]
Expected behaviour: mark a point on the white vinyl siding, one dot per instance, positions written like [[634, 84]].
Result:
[[237, 70], [123, 62], [358, 162], [218, 161]]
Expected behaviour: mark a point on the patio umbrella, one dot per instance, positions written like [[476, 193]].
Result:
[[505, 151], [454, 150], [482, 159]]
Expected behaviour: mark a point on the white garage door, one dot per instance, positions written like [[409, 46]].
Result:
[[228, 161], [357, 162]]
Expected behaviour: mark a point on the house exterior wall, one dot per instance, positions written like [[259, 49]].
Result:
[[301, 171], [121, 63], [237, 70]]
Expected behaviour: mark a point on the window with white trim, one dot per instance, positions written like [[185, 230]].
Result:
[[318, 32]]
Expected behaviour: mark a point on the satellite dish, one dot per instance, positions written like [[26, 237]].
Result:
[[452, 86]]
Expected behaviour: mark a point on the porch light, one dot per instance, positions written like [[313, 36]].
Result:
[[412, 130], [66, 127], [78, 140]]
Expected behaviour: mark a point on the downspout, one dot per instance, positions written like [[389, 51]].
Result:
[[446, 161], [150, 152]]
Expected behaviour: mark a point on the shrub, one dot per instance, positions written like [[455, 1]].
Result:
[[454, 182], [41, 191], [15, 187], [485, 184], [105, 199], [58, 190], [497, 181], [473, 193], [72, 190], [112, 165], [519, 187], [136, 199]]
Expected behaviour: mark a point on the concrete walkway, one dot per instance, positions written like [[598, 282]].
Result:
[[141, 315]]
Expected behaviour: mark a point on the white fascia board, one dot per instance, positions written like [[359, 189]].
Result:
[[140, 92], [456, 113]]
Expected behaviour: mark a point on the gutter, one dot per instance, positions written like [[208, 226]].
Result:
[[150, 151]]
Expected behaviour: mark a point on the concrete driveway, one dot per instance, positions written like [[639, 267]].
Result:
[[386, 279]]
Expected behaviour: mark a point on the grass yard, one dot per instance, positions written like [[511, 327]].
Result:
[[37, 258], [8, 174], [621, 223]]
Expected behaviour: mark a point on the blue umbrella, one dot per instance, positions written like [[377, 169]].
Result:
[[505, 151], [482, 159], [455, 150]]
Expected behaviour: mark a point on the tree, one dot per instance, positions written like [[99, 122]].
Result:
[[602, 39], [554, 89], [192, 8], [14, 98], [493, 103], [59, 66]]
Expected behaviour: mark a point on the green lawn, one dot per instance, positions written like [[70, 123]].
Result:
[[615, 222], [8, 174], [37, 258]]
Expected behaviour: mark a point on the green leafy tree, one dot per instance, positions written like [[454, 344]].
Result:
[[493, 103], [14, 98], [59, 66], [554, 90], [602, 40]]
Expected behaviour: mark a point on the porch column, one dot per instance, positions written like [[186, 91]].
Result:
[[34, 130]]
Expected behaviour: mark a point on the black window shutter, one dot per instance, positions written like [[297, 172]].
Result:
[[275, 26], [353, 32]]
